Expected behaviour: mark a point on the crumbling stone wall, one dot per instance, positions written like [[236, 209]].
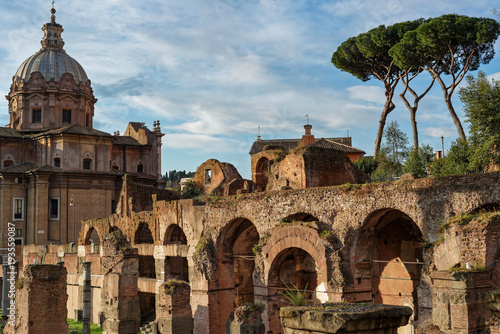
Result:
[[120, 296], [341, 242], [173, 311]]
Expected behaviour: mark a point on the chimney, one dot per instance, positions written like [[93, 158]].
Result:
[[439, 155], [308, 138]]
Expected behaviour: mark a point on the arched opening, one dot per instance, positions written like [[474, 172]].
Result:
[[146, 262], [176, 266], [389, 253], [174, 236], [292, 267], [262, 173], [488, 207], [92, 237], [140, 167], [143, 235], [301, 217], [7, 163], [236, 266]]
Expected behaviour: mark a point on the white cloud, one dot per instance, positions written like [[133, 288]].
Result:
[[440, 131]]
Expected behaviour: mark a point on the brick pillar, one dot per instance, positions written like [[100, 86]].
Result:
[[173, 308], [120, 296], [40, 301], [458, 303]]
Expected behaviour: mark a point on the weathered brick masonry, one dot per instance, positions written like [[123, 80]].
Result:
[[353, 243]]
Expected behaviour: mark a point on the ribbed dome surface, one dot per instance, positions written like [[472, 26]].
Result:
[[52, 64]]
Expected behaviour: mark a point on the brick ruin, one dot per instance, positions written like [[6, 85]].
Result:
[[399, 243]]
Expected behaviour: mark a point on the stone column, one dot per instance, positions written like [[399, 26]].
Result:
[[40, 301], [120, 295], [86, 298], [173, 308]]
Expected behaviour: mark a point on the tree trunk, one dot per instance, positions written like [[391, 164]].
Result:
[[413, 114], [447, 100], [455, 118], [388, 107]]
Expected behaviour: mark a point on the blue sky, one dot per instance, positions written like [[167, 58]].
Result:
[[212, 71]]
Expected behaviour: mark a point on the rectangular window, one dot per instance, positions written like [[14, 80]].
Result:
[[57, 162], [208, 176], [54, 208], [86, 164], [66, 116], [37, 116], [18, 209]]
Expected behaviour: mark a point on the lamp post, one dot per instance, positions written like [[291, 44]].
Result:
[[442, 144], [72, 203]]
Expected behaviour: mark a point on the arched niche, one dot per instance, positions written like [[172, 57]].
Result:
[[92, 237], [236, 266], [143, 234], [262, 173], [389, 253], [174, 236]]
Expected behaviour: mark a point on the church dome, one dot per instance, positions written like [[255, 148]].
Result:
[[51, 61], [52, 64]]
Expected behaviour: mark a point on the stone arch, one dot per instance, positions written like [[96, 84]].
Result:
[[143, 234], [174, 235], [487, 207], [262, 173], [235, 267], [7, 161], [92, 237], [301, 216], [388, 252]]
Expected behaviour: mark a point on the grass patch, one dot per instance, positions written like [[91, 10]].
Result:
[[74, 325]]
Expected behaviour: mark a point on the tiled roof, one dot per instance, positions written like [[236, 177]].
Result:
[[287, 144], [19, 168], [10, 133], [76, 129], [327, 143], [126, 141]]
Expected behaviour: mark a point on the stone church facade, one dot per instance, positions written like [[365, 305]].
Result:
[[55, 168]]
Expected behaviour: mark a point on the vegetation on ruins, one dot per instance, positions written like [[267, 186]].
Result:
[[294, 295], [171, 283], [447, 45]]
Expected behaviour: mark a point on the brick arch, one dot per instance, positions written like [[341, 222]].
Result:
[[386, 256], [143, 234], [301, 216], [302, 237], [174, 234], [235, 268], [101, 226], [486, 207]]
